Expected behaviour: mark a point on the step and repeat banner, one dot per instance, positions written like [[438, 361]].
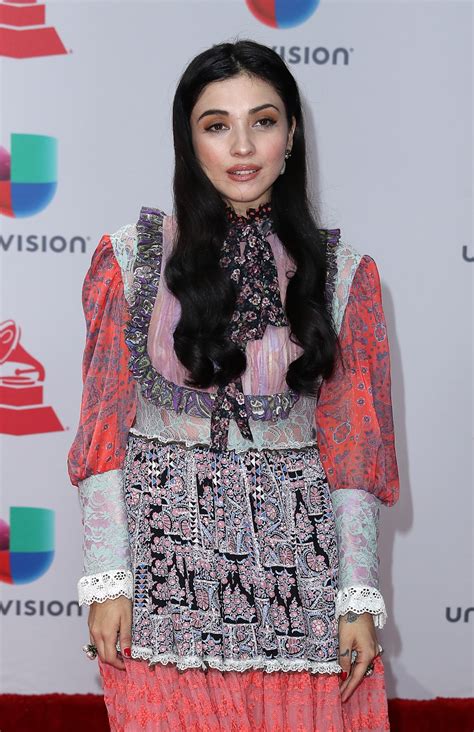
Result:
[[85, 141]]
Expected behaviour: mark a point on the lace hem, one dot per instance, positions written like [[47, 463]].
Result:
[[193, 444], [362, 600], [105, 586], [269, 665]]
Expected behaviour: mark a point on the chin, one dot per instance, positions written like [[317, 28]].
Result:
[[247, 197]]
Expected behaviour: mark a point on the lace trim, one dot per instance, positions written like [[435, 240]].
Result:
[[191, 445], [346, 262], [105, 586], [124, 243], [332, 239], [185, 662], [167, 426], [362, 600]]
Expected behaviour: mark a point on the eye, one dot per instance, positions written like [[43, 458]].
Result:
[[215, 127], [266, 122]]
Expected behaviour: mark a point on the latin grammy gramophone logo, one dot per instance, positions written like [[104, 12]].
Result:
[[24, 33], [22, 411]]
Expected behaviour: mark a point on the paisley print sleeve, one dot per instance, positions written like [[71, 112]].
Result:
[[354, 410], [107, 412], [108, 399]]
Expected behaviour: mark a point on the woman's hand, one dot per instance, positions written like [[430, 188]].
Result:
[[107, 620], [356, 633]]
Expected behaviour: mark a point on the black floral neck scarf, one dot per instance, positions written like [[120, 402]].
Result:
[[258, 304]]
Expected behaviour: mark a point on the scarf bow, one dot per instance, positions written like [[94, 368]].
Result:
[[249, 260]]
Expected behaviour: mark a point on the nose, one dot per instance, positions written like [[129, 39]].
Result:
[[242, 143]]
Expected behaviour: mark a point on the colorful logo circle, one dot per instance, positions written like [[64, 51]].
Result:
[[282, 13], [27, 545], [28, 174]]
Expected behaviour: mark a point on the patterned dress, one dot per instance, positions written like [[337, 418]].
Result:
[[240, 519]]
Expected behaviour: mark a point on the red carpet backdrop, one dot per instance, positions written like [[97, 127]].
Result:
[[85, 141]]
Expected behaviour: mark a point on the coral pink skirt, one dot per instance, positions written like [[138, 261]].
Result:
[[162, 699]]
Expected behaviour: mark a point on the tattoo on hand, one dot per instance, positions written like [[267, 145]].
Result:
[[346, 653], [351, 617]]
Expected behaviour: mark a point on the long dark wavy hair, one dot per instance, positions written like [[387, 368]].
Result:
[[193, 274]]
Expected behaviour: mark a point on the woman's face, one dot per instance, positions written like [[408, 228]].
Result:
[[240, 135]]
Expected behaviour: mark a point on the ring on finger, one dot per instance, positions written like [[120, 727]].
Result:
[[90, 650], [370, 670]]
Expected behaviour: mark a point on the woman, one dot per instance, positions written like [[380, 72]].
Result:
[[236, 436]]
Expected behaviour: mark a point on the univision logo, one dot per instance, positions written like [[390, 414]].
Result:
[[27, 545], [461, 614], [28, 175], [466, 255], [282, 13]]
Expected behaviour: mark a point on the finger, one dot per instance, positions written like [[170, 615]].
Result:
[[100, 645], [126, 643], [345, 661], [125, 633], [356, 676], [111, 656], [345, 678]]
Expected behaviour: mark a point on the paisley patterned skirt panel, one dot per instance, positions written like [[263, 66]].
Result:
[[234, 558]]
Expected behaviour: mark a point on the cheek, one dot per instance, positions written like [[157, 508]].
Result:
[[273, 149], [208, 153]]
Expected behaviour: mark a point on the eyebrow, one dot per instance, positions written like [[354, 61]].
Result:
[[254, 110]]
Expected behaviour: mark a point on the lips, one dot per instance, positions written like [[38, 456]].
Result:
[[243, 172]]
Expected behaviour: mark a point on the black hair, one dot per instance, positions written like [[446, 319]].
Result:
[[193, 274]]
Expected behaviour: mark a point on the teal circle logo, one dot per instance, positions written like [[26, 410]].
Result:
[[282, 13]]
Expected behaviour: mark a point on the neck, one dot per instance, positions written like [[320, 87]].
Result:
[[261, 213], [242, 209]]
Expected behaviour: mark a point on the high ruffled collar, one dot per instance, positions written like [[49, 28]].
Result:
[[261, 214]]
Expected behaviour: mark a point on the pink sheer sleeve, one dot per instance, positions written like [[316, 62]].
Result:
[[108, 398], [354, 410]]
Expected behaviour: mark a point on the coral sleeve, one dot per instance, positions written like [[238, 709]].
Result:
[[108, 398], [354, 410]]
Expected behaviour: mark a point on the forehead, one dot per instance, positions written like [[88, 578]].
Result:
[[237, 95]]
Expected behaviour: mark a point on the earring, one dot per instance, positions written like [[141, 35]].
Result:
[[287, 155]]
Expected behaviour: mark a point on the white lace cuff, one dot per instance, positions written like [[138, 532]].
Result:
[[362, 600], [105, 586]]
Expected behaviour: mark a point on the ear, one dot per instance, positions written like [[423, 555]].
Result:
[[291, 132]]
